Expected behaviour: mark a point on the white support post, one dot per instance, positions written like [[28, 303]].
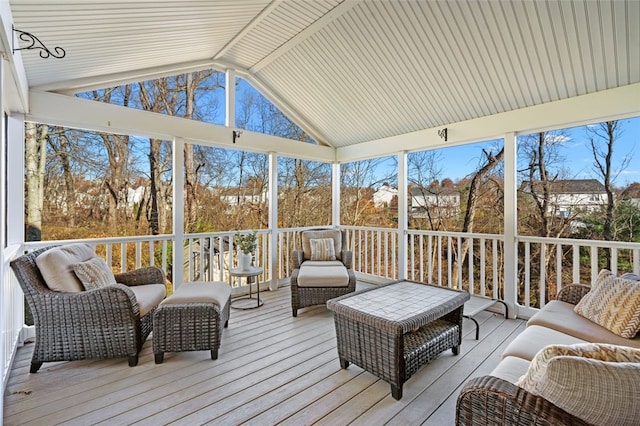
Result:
[[178, 212], [15, 169], [335, 194], [3, 170], [402, 215], [230, 98], [273, 220], [510, 223]]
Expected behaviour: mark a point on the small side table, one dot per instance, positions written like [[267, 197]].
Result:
[[246, 302]]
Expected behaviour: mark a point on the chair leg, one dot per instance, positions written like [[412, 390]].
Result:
[[159, 357], [295, 312], [35, 366], [214, 354], [133, 360]]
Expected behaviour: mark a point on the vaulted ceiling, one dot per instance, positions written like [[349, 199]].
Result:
[[348, 71]]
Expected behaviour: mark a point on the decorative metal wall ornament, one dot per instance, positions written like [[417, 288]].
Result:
[[443, 134], [35, 43]]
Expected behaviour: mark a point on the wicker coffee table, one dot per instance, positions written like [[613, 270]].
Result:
[[395, 329]]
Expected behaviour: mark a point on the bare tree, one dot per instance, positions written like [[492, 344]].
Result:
[[425, 173], [36, 157], [602, 138]]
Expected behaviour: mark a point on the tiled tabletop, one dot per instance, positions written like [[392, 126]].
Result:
[[401, 301]]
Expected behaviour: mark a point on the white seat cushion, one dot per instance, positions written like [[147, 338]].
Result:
[[323, 276], [148, 296], [215, 292]]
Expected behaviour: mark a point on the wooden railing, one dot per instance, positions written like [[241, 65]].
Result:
[[473, 262]]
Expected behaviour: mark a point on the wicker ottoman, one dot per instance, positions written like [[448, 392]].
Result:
[[192, 319]]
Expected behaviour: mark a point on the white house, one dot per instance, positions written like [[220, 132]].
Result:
[[445, 199], [570, 197], [383, 196]]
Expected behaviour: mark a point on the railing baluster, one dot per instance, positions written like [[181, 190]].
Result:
[[559, 258], [527, 274], [470, 257], [543, 274], [483, 267]]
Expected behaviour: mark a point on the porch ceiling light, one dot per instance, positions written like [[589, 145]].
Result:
[[35, 43]]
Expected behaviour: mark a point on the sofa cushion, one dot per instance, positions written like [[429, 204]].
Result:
[[322, 249], [511, 369], [528, 343], [615, 305], [334, 234], [215, 292], [56, 266], [596, 382], [560, 316], [94, 273], [148, 296], [323, 276]]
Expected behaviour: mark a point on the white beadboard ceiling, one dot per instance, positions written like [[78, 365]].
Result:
[[349, 71]]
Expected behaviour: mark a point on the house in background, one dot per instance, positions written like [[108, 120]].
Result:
[[446, 199], [384, 195], [569, 197]]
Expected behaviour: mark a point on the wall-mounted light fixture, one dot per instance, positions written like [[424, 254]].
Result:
[[443, 134], [236, 135], [35, 43]]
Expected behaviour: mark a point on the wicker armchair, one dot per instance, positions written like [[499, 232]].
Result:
[[303, 295], [100, 323], [489, 400]]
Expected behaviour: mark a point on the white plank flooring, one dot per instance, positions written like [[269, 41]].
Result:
[[272, 369]]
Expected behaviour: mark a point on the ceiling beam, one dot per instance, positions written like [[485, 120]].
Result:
[[613, 104], [18, 74], [116, 79], [68, 111], [318, 25], [250, 26]]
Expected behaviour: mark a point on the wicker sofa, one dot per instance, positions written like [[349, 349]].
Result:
[[496, 399], [107, 322]]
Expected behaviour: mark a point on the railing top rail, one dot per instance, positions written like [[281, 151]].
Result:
[[580, 242], [499, 237], [369, 228], [112, 240]]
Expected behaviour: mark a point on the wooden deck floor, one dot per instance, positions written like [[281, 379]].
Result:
[[272, 369]]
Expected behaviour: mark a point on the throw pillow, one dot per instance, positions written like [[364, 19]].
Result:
[[598, 383], [605, 277], [322, 249], [615, 305], [56, 266], [308, 235], [94, 273]]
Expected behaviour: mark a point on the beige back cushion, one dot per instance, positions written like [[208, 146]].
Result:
[[335, 234], [615, 305], [598, 383], [56, 266]]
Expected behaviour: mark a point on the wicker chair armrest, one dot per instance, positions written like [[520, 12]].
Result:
[[573, 293], [141, 276], [296, 259], [347, 258], [116, 300], [490, 400], [293, 279]]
